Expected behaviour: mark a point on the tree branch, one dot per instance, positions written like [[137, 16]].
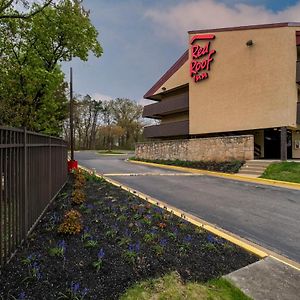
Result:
[[22, 16]]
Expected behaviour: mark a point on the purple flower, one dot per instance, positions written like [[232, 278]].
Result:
[[137, 247], [213, 240], [187, 239], [101, 254], [127, 232], [62, 244], [22, 296], [36, 270], [75, 287], [163, 242], [84, 292], [86, 229], [153, 231], [90, 206], [134, 247], [157, 210]]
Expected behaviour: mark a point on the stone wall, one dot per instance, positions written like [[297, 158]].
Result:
[[205, 149]]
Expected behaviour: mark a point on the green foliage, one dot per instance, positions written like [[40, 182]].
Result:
[[29, 8], [124, 241], [171, 286], [56, 251], [97, 264], [226, 166], [284, 171], [32, 88], [149, 237], [130, 256], [158, 249], [91, 244]]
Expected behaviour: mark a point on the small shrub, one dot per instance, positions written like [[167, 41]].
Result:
[[79, 176], [78, 197], [78, 184], [72, 223]]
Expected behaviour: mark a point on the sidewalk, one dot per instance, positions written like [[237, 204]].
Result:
[[267, 279]]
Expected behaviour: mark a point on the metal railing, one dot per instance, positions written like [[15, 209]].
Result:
[[33, 168]]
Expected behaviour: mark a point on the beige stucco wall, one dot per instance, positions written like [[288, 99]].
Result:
[[248, 87], [204, 149], [179, 78], [295, 136]]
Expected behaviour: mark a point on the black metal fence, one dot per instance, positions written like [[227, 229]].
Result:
[[33, 168]]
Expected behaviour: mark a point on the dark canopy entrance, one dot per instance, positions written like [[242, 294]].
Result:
[[272, 143]]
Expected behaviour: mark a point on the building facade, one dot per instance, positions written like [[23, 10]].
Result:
[[233, 82]]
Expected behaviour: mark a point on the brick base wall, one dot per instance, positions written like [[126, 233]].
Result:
[[205, 149]]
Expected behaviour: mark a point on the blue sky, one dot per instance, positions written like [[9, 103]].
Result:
[[143, 38]]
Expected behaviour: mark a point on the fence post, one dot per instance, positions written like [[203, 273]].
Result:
[[25, 184], [49, 173]]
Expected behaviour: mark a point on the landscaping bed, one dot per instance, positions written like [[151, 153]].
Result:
[[117, 240], [225, 167]]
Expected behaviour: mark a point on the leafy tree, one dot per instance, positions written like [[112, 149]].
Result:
[[32, 85], [8, 9], [106, 124], [127, 114]]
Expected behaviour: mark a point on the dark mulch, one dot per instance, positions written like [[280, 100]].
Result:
[[176, 245], [232, 166]]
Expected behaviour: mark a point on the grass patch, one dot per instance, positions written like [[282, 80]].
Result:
[[171, 287], [284, 171], [110, 152], [225, 167]]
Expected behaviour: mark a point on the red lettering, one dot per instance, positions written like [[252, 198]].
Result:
[[198, 51], [201, 77], [210, 59]]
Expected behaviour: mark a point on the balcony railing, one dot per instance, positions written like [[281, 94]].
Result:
[[165, 130], [175, 104]]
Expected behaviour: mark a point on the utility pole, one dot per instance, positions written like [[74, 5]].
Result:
[[71, 115]]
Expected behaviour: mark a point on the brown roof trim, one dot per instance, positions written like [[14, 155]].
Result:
[[248, 27], [178, 64]]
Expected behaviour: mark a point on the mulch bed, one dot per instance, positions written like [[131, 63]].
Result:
[[224, 167], [134, 240]]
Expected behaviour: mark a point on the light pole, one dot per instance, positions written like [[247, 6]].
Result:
[[72, 164]]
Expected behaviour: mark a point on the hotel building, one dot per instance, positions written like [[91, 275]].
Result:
[[231, 84]]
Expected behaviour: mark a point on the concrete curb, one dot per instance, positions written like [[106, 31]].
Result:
[[270, 182], [235, 239]]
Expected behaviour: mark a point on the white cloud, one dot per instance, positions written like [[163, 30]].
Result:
[[174, 22]]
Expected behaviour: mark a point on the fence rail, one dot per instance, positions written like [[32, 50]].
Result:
[[33, 168]]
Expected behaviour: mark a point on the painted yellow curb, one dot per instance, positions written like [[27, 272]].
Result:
[[277, 183], [233, 238]]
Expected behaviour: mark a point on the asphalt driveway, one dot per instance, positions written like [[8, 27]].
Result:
[[266, 215]]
